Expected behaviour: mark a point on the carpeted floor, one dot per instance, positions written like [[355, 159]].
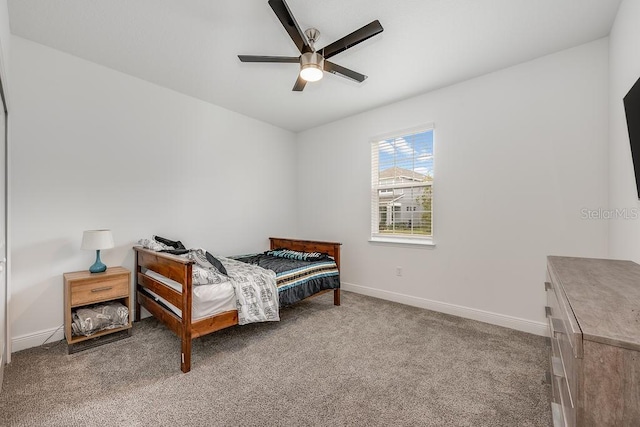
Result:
[[368, 362]]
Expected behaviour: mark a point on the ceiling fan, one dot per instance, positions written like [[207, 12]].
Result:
[[313, 62]]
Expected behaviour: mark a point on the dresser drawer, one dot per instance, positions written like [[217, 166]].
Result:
[[101, 289], [569, 363], [560, 340], [560, 388], [571, 328]]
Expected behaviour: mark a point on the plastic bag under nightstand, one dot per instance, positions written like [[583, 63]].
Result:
[[89, 320]]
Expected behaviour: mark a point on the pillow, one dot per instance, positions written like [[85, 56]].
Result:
[[302, 256], [202, 258], [206, 260], [160, 244], [153, 245]]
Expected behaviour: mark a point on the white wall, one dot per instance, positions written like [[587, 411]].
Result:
[[95, 148], [518, 154], [624, 70], [5, 37]]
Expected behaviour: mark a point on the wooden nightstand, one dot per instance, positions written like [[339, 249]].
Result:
[[83, 288]]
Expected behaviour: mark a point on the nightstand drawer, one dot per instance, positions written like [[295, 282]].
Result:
[[99, 290]]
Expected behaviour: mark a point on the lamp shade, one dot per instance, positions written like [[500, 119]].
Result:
[[97, 239]]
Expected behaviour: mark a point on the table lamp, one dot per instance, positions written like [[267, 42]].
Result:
[[97, 239]]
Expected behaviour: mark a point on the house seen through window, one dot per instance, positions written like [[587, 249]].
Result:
[[402, 186]]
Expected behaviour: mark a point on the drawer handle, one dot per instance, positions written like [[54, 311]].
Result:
[[547, 286], [102, 289], [557, 326], [556, 367], [547, 311]]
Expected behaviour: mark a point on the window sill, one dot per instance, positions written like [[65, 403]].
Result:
[[403, 241]]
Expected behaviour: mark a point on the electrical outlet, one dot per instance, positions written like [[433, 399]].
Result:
[[399, 271]]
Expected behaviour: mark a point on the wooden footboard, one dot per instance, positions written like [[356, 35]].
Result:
[[180, 270]]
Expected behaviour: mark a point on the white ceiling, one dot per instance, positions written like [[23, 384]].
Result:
[[191, 45]]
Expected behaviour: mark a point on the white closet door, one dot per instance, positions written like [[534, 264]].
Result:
[[3, 241]]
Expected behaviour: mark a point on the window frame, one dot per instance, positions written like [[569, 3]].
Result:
[[402, 239]]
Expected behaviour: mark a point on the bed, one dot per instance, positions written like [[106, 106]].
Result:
[[164, 287]]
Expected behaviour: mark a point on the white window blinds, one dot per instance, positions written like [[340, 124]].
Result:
[[402, 185]]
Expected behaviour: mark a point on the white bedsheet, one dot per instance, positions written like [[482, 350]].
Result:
[[208, 300]]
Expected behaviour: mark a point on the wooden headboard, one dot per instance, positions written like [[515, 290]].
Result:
[[331, 248]]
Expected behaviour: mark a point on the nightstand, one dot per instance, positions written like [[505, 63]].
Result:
[[83, 288]]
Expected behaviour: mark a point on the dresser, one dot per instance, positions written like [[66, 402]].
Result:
[[593, 310]]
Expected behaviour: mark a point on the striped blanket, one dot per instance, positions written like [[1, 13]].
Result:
[[297, 279]]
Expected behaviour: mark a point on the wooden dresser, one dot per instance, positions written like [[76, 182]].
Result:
[[593, 308]]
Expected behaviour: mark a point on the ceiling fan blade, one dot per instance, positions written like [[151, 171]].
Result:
[[282, 11], [258, 58], [341, 71], [358, 36], [300, 83]]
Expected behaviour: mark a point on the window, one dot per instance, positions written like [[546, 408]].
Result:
[[402, 187]]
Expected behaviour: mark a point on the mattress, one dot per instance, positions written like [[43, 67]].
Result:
[[208, 300]]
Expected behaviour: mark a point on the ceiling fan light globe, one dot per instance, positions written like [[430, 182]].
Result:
[[311, 73]]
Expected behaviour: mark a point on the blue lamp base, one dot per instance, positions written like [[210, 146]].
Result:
[[98, 266]]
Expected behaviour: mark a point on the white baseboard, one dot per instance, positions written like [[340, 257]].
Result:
[[537, 328], [37, 338]]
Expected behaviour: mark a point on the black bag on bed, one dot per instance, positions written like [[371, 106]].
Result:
[[177, 244]]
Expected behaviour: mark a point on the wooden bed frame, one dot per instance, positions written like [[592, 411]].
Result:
[[180, 269]]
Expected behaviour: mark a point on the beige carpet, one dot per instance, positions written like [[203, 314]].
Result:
[[368, 362]]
